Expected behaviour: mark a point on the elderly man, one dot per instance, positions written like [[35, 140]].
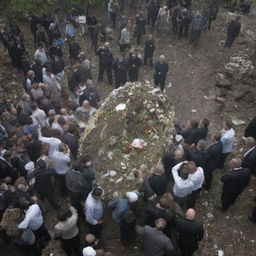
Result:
[[249, 159], [190, 232], [161, 69], [227, 141], [156, 243], [94, 212], [27, 84], [234, 182], [86, 108]]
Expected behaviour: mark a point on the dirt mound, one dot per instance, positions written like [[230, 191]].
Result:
[[134, 111]]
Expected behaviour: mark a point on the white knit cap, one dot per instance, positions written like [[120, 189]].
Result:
[[132, 197], [30, 166], [89, 251]]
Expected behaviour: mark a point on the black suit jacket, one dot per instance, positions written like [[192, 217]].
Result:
[[190, 232], [249, 161], [250, 130], [214, 156], [198, 156], [235, 181], [72, 143]]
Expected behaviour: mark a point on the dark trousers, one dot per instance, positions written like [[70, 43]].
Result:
[[138, 39], [175, 26], [127, 232], [62, 185], [42, 236], [112, 19], [230, 40], [108, 68], [187, 253], [75, 199], [227, 200], [159, 80], [152, 19], [71, 245], [120, 79], [245, 8], [253, 217], [208, 178], [191, 201], [95, 229], [51, 199], [222, 159], [195, 35], [148, 57], [182, 202], [95, 43], [183, 30], [134, 75]]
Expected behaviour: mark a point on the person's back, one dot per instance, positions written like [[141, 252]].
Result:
[[234, 28], [190, 232]]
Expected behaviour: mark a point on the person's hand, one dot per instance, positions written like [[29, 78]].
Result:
[[193, 146], [185, 162], [100, 222]]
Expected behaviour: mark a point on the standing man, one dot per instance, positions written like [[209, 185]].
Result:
[[214, 153], [198, 25], [161, 70], [156, 243], [233, 31], [234, 182], [120, 67], [227, 141], [190, 232], [105, 62], [94, 212], [153, 10], [149, 49], [40, 54], [249, 160], [134, 64], [184, 19]]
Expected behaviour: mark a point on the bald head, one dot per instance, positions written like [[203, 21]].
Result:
[[250, 142], [235, 163], [178, 153], [162, 58], [107, 45], [190, 214]]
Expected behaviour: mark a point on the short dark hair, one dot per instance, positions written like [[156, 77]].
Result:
[[77, 166], [164, 203], [41, 44], [63, 214], [194, 123], [128, 216], [85, 159], [24, 203], [33, 106], [97, 191], [228, 123], [205, 122], [72, 128], [41, 163]]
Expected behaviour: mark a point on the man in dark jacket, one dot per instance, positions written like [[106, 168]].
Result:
[[249, 160], [161, 70], [153, 9], [105, 62], [6, 167], [184, 18], [233, 31], [43, 181], [120, 67], [234, 182], [74, 50], [198, 25], [134, 64], [214, 153], [55, 50], [70, 138], [149, 49], [250, 130], [190, 232], [91, 94]]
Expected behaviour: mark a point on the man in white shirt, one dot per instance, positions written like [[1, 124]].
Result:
[[38, 115], [182, 185], [94, 212], [227, 140], [196, 175], [34, 220], [40, 54], [52, 141], [66, 229], [60, 162]]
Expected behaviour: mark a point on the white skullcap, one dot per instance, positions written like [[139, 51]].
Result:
[[89, 251], [132, 197], [178, 138], [30, 166]]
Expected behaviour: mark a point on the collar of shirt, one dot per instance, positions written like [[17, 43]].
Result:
[[247, 152]]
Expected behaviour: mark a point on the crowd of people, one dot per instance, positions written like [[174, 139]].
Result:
[[39, 137]]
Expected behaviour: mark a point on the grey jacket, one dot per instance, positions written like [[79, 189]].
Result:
[[155, 242]]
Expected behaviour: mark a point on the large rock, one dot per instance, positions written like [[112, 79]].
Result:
[[133, 111]]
